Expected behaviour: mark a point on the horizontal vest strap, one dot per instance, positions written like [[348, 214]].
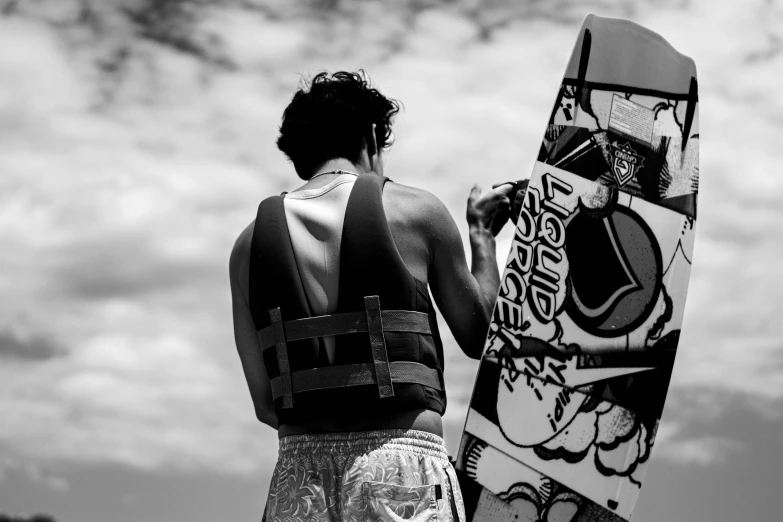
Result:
[[339, 324], [402, 372]]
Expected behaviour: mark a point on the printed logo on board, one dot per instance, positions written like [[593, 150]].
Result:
[[625, 162], [615, 270]]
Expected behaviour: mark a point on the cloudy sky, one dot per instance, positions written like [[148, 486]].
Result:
[[136, 145]]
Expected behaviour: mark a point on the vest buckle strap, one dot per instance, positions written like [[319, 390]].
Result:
[[282, 357], [346, 323], [402, 372], [380, 358], [380, 372]]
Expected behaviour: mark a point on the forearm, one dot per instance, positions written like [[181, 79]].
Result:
[[263, 404], [484, 267], [466, 295], [268, 417]]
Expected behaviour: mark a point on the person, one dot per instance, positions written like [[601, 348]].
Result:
[[333, 319]]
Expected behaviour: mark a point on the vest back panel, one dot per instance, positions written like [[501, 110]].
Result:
[[370, 264]]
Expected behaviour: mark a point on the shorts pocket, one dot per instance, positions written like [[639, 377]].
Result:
[[394, 503]]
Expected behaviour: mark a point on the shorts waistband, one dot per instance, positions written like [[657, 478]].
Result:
[[414, 441]]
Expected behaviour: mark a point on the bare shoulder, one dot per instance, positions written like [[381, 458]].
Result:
[[241, 251], [420, 206], [428, 214], [239, 262]]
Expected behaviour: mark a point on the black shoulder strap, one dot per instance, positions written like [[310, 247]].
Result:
[[370, 263], [274, 277]]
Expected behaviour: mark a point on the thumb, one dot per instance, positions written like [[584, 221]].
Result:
[[475, 193]]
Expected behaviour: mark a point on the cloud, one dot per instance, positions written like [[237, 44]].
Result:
[[124, 265], [116, 220], [37, 348], [676, 441], [144, 402], [32, 472], [703, 451]]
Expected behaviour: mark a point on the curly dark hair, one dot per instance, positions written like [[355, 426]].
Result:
[[332, 119]]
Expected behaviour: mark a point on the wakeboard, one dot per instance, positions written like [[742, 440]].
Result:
[[578, 358]]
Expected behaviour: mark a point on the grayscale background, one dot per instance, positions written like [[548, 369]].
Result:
[[137, 138]]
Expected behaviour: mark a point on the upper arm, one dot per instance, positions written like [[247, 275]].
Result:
[[245, 334], [454, 288]]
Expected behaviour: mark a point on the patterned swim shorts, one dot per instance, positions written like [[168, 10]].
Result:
[[370, 476]]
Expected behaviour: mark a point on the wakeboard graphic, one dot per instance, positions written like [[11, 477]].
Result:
[[576, 366]]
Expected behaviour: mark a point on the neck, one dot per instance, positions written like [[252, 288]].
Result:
[[340, 164], [317, 181]]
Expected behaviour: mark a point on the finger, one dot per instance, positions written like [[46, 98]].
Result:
[[500, 195], [496, 185], [475, 192], [504, 188]]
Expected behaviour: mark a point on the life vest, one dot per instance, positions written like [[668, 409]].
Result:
[[388, 352]]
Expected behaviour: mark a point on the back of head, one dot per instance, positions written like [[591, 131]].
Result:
[[332, 118]]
